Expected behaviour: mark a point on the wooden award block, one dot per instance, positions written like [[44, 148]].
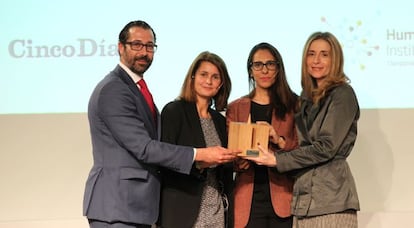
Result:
[[246, 136]]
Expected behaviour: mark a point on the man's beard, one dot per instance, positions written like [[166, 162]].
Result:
[[139, 68]]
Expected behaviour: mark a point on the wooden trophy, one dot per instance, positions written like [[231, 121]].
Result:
[[246, 136]]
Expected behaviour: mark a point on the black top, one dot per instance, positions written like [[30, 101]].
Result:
[[261, 193], [260, 113]]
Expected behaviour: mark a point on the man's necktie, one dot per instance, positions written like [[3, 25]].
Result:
[[148, 97]]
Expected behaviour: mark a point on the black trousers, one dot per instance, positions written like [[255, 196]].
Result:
[[101, 224], [262, 214]]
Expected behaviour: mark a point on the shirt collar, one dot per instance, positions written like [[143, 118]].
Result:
[[135, 77]]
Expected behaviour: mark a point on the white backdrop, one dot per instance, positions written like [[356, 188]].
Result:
[[45, 151], [53, 53]]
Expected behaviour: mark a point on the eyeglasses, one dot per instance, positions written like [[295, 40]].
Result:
[[137, 46], [270, 65]]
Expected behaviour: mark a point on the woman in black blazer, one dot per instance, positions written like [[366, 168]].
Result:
[[194, 119]]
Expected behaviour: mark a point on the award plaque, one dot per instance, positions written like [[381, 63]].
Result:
[[246, 136]]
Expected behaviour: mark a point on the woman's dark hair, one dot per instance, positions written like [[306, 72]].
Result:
[[282, 98], [219, 101]]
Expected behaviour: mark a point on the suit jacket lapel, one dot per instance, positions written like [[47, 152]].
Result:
[[191, 112], [142, 103]]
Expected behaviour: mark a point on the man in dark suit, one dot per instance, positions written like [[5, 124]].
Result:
[[123, 187]]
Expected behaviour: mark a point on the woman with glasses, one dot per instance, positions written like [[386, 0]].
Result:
[[262, 195], [194, 119]]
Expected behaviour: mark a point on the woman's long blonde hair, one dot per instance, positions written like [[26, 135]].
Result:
[[336, 75]]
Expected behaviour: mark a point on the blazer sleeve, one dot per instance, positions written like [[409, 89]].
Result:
[[121, 113], [171, 122], [175, 122], [332, 126], [287, 130], [232, 111]]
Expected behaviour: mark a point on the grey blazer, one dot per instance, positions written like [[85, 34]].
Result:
[[327, 132], [124, 182]]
